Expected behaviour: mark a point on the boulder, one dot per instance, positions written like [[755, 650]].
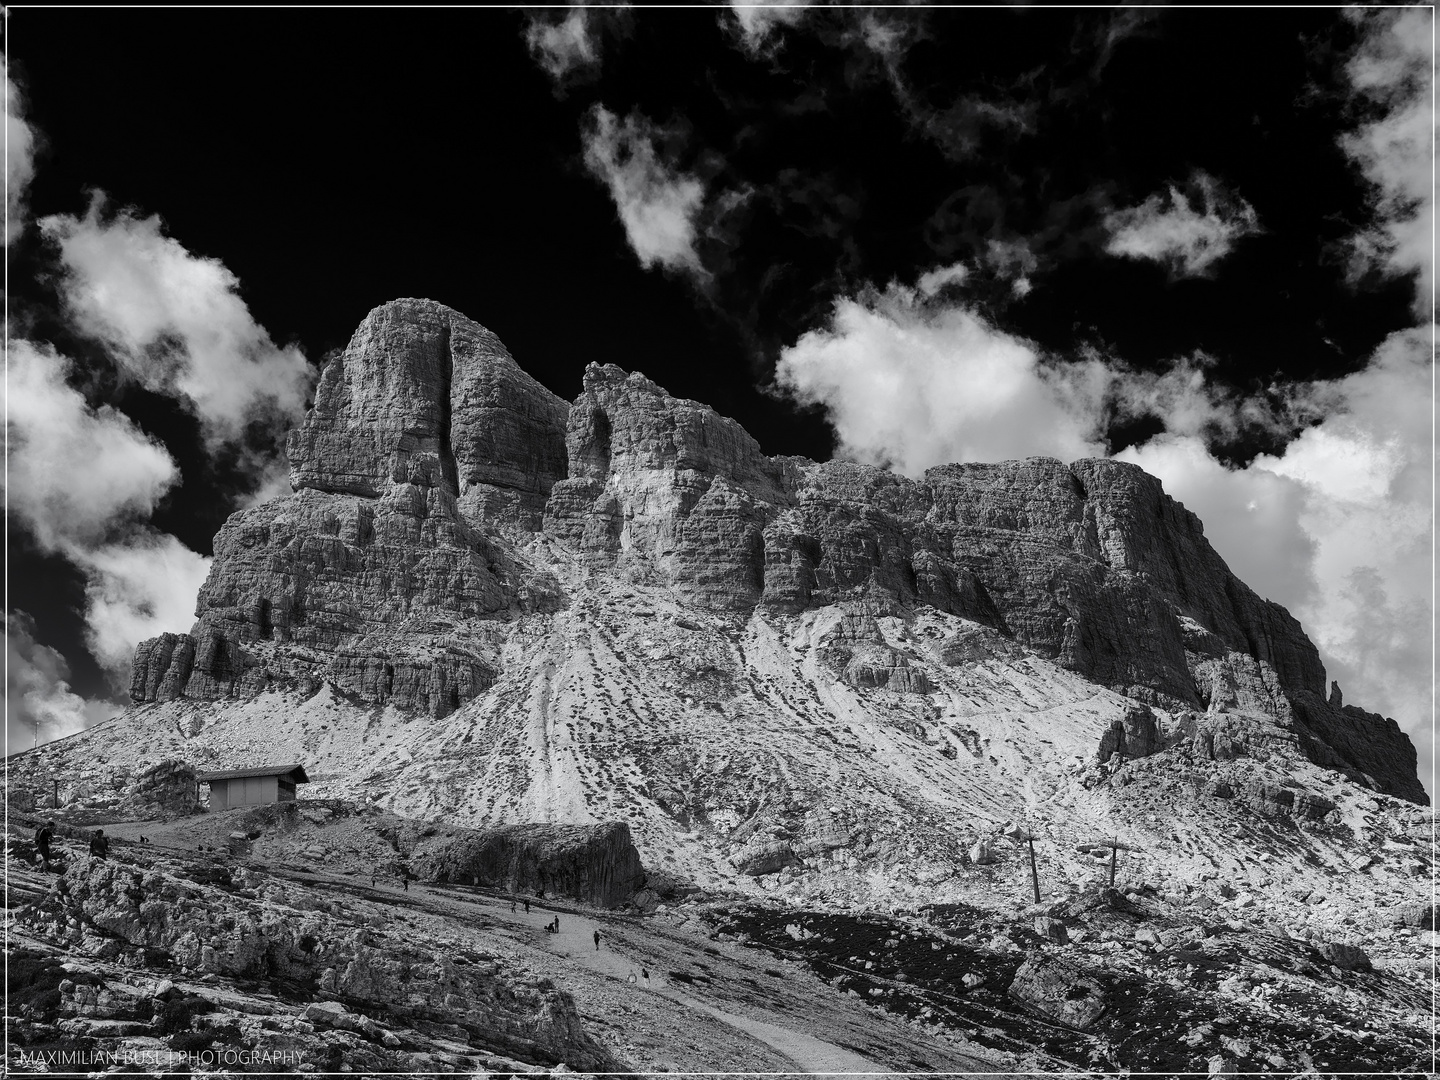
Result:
[[1345, 957], [764, 858], [1417, 914], [1053, 930], [597, 864], [1060, 991]]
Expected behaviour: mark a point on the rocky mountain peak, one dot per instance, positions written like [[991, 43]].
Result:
[[424, 397], [444, 500]]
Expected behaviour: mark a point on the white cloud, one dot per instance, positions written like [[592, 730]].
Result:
[[39, 704], [82, 481], [564, 47], [138, 589], [913, 385], [176, 322], [932, 281], [19, 157], [758, 20], [1392, 68], [657, 203], [1337, 528], [1169, 230], [74, 472]]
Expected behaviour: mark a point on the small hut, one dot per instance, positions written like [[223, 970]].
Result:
[[253, 787]]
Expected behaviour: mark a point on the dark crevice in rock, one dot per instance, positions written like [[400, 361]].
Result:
[[448, 469], [600, 426]]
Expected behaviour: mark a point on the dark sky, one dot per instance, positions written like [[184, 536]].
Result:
[[333, 160]]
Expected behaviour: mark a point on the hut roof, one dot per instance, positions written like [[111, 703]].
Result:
[[297, 770]]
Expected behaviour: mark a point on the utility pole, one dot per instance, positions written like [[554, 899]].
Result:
[[1115, 847], [1029, 838], [1034, 873]]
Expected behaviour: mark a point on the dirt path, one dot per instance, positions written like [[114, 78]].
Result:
[[576, 943]]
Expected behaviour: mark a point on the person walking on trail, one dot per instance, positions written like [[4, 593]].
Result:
[[527, 905], [645, 974], [597, 940], [42, 844], [512, 905], [99, 844]]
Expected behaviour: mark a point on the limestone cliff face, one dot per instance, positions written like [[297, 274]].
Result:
[[425, 439], [436, 483]]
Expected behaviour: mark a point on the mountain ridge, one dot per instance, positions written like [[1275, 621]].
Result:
[[429, 447]]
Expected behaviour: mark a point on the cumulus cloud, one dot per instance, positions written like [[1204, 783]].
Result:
[[1391, 72], [135, 589], [757, 21], [658, 204], [39, 704], [20, 144], [912, 384], [176, 322], [1187, 230], [83, 481], [563, 48], [74, 471], [1337, 528]]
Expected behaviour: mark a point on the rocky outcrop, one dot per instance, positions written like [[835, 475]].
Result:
[[1135, 735], [670, 480], [1370, 748], [103, 909], [167, 789], [596, 864]]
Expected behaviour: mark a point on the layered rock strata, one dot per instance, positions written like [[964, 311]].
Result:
[[433, 472]]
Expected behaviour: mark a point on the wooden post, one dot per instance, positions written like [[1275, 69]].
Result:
[[1034, 874]]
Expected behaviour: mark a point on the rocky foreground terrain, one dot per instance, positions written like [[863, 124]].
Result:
[[826, 703]]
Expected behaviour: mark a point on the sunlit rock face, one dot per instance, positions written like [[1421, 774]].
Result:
[[455, 527]]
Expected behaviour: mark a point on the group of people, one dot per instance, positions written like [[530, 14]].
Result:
[[553, 926], [45, 836]]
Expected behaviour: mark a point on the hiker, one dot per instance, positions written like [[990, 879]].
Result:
[[527, 905], [512, 905], [645, 974], [597, 940], [42, 844], [99, 844], [557, 924]]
